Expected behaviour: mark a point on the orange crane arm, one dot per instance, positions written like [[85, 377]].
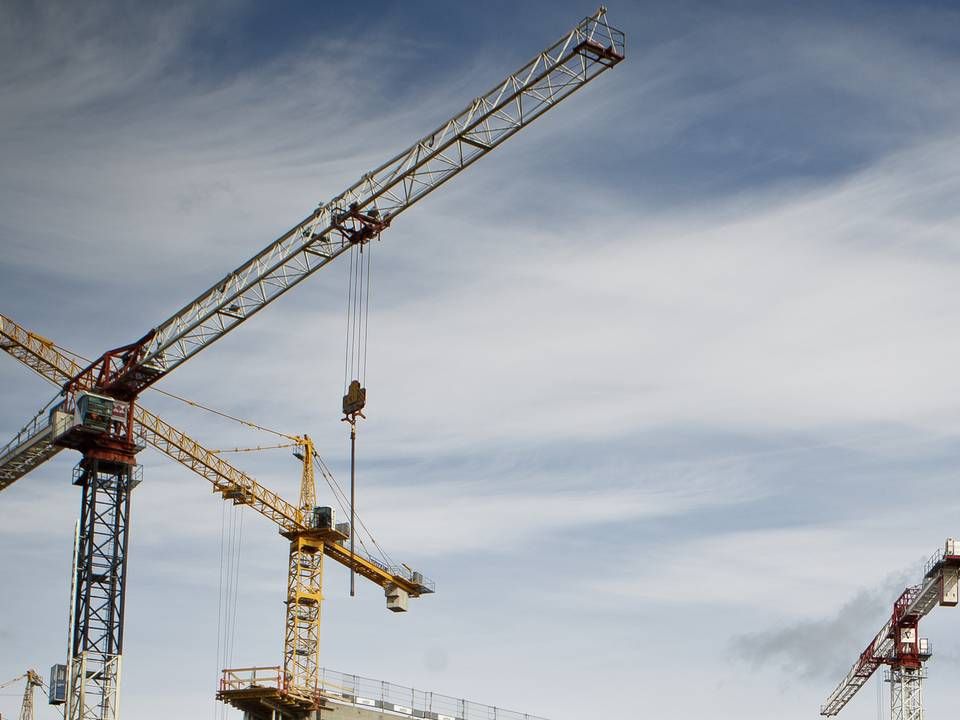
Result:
[[58, 365]]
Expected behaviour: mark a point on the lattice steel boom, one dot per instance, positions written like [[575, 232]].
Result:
[[366, 208]]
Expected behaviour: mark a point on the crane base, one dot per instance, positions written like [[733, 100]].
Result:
[[267, 704], [258, 692]]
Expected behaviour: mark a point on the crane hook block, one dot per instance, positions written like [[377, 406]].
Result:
[[355, 399]]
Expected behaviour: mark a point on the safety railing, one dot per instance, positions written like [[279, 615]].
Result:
[[35, 427], [251, 677], [388, 697]]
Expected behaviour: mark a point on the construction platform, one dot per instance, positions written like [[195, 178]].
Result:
[[258, 692]]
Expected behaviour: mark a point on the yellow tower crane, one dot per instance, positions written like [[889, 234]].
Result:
[[293, 690], [290, 690], [33, 682]]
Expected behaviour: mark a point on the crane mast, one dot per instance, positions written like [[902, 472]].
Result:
[[26, 707], [99, 413]]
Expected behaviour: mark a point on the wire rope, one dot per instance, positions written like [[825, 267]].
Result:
[[223, 522], [11, 682], [357, 315], [228, 578], [169, 394], [201, 406], [256, 448], [366, 316], [236, 587], [360, 306], [346, 354], [341, 498]]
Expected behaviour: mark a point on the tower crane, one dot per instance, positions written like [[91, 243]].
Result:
[[33, 682], [97, 415], [899, 645], [311, 531]]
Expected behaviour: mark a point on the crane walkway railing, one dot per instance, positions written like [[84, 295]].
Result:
[[375, 695], [29, 448], [406, 701]]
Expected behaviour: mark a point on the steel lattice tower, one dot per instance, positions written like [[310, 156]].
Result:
[[100, 581], [906, 693]]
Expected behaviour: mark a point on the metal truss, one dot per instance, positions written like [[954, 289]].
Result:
[[231, 483], [101, 563], [301, 648], [27, 706], [365, 209], [37, 352], [906, 692], [29, 449]]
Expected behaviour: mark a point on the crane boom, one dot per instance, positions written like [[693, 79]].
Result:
[[367, 207], [28, 449], [939, 587]]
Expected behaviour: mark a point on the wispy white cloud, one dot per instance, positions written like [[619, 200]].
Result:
[[595, 301], [781, 572], [456, 517]]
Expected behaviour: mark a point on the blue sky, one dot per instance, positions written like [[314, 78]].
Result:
[[661, 393]]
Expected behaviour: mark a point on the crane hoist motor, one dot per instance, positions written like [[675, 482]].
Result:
[[324, 517]]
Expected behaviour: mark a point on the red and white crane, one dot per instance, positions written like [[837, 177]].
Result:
[[899, 645]]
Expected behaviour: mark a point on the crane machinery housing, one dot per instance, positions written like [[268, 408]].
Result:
[[899, 646], [98, 415]]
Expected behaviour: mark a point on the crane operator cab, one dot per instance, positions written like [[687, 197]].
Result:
[[92, 414]]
